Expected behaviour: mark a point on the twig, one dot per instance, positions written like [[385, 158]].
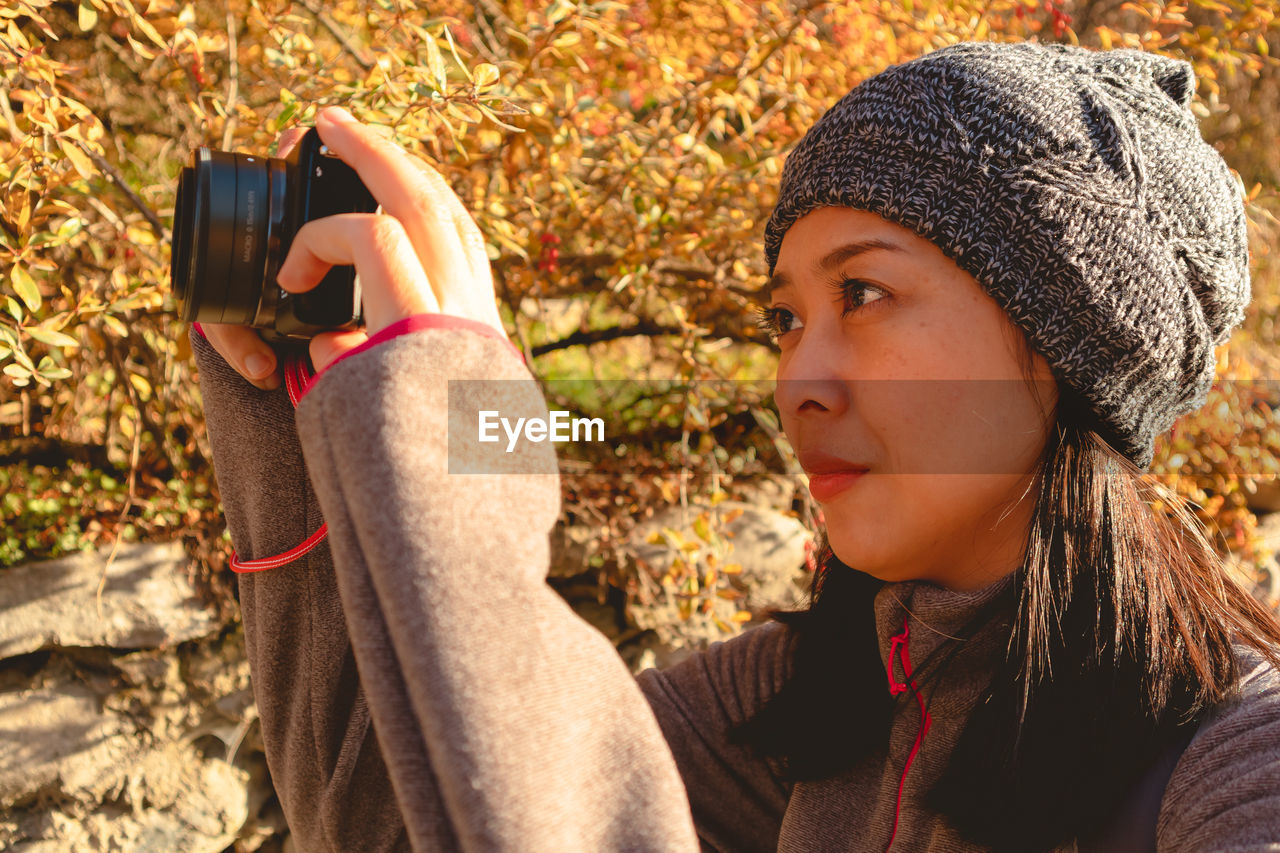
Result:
[[644, 328], [595, 336], [111, 172], [343, 39], [234, 94]]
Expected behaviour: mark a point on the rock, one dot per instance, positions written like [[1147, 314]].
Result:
[[772, 491], [769, 546], [758, 557], [60, 739], [173, 799], [147, 602]]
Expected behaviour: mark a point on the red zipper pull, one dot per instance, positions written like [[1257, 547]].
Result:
[[896, 643]]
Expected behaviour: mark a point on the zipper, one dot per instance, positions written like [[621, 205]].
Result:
[[899, 643]]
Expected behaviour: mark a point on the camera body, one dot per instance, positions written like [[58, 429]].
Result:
[[234, 220]]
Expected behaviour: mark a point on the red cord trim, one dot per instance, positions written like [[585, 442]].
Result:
[[896, 687], [297, 378], [245, 566]]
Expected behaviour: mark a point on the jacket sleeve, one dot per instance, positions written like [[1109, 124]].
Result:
[[325, 763], [506, 721], [1224, 794], [737, 799]]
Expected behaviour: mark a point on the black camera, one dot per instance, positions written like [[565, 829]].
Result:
[[233, 222]]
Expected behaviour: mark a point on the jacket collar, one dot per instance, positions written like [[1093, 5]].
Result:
[[935, 619]]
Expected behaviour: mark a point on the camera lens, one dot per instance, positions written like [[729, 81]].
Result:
[[226, 236]]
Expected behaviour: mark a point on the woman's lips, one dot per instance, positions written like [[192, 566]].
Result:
[[825, 487], [829, 475]]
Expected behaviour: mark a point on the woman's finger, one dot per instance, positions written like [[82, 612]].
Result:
[[436, 222], [249, 354], [326, 347], [392, 282]]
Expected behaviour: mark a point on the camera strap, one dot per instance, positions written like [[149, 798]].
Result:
[[297, 376]]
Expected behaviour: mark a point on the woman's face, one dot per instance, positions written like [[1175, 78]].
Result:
[[895, 361]]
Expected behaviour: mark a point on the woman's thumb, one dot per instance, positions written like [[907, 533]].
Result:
[[328, 347]]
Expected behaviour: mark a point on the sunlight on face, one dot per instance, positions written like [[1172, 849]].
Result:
[[895, 360]]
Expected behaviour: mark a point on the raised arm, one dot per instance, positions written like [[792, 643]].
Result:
[[483, 684], [324, 760]]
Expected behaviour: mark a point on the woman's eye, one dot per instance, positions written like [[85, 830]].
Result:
[[853, 292], [778, 321]]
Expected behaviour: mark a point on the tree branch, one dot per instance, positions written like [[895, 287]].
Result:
[[343, 39], [643, 328], [111, 172]]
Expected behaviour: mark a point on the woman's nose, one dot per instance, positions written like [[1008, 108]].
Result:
[[811, 379]]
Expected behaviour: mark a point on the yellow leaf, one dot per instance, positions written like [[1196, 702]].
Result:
[[448, 36], [742, 616], [116, 325], [17, 38], [435, 63], [88, 16], [141, 50], [25, 286], [141, 385], [149, 31], [83, 165], [485, 74], [52, 338]]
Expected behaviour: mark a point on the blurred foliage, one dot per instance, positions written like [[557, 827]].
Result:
[[621, 159]]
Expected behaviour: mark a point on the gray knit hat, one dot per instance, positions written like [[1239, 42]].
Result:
[[1075, 187]]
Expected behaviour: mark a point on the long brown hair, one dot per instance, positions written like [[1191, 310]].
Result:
[[1123, 618]]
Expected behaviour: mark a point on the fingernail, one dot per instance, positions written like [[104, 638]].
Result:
[[338, 115], [257, 365]]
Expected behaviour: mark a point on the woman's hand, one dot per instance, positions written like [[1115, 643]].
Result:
[[423, 253]]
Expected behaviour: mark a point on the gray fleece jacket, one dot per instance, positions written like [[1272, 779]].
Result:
[[421, 687]]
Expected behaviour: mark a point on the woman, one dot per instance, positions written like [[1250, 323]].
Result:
[[998, 272]]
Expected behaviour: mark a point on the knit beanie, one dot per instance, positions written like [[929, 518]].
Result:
[[1075, 186]]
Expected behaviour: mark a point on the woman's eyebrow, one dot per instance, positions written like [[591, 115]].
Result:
[[834, 258]]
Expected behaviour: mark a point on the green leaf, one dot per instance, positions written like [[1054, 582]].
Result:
[[50, 337], [70, 228], [15, 310], [55, 372], [25, 286], [287, 113]]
